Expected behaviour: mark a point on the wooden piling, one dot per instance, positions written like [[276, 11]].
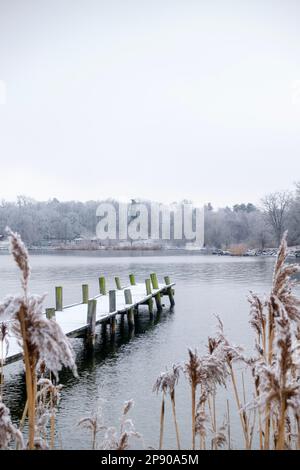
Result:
[[130, 314], [113, 323], [157, 296], [158, 302], [58, 298], [169, 291], [122, 325], [85, 293], [132, 279], [128, 296], [118, 283], [148, 286], [130, 318], [91, 320], [112, 308], [148, 292], [112, 301], [50, 313], [104, 331], [154, 281], [102, 285]]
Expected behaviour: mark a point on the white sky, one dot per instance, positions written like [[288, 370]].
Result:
[[158, 99]]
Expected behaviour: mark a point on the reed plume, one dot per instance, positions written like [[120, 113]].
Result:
[[48, 397], [4, 343], [273, 408], [277, 369], [219, 438], [201, 420], [195, 371], [8, 432], [234, 353], [42, 340], [166, 383], [95, 424], [258, 319], [120, 439]]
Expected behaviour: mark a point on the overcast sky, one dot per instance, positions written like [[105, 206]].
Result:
[[159, 99]]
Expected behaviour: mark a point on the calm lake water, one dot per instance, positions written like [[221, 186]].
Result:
[[127, 368]]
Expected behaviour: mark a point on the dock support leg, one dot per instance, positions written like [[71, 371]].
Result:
[[170, 291], [130, 318], [91, 321], [58, 299], [157, 296], [112, 301], [148, 292], [158, 302], [112, 308], [113, 326], [122, 325], [104, 331], [132, 279], [130, 314]]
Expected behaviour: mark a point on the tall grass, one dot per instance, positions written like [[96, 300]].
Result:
[[166, 383], [43, 344], [46, 350], [272, 411], [113, 438]]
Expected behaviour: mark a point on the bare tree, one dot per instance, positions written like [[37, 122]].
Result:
[[260, 232], [276, 206]]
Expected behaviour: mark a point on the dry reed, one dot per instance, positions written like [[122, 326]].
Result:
[[274, 369], [272, 411], [42, 340], [166, 383]]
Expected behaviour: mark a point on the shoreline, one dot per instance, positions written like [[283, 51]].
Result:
[[293, 251], [210, 252]]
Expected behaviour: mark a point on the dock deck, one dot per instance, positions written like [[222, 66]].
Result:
[[81, 319]]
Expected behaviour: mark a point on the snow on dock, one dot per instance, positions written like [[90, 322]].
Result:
[[81, 319]]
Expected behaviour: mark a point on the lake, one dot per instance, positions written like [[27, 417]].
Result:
[[127, 368]]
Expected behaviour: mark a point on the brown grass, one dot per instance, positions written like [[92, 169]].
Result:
[[238, 249]]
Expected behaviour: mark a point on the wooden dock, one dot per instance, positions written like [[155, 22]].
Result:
[[81, 319]]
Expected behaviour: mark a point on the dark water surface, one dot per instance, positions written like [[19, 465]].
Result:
[[127, 368]]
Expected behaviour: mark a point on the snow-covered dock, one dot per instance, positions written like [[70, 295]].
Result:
[[81, 319]]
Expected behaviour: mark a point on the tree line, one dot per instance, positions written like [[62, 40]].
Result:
[[255, 226]]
